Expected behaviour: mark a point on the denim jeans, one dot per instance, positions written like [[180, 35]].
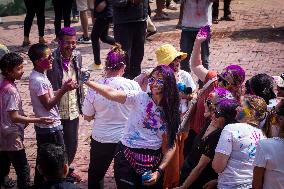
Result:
[[100, 31], [186, 45], [20, 163], [52, 138], [101, 155], [70, 135], [131, 36]]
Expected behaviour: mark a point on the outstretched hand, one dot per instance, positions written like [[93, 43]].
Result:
[[85, 76], [203, 33], [46, 120]]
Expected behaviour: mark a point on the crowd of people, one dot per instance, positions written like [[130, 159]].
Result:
[[161, 129]]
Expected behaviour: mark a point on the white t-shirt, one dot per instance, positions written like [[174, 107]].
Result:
[[238, 141], [197, 13], [270, 155], [185, 78], [40, 85], [146, 123], [110, 117]]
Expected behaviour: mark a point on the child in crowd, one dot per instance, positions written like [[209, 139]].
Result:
[[44, 101], [13, 121], [53, 165]]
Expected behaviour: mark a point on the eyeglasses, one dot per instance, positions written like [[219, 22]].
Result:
[[159, 82]]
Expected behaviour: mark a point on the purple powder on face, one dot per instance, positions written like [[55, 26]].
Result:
[[204, 32], [221, 93], [236, 72]]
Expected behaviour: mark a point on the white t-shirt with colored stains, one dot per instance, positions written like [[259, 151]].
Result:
[[146, 123], [238, 141]]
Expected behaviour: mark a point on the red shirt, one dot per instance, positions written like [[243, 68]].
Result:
[[198, 120]]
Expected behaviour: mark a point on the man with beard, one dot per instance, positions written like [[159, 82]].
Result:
[[67, 64]]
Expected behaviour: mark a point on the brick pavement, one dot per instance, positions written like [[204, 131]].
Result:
[[255, 41]]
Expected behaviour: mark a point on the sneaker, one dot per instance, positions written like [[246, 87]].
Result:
[[215, 21], [148, 34], [8, 182], [172, 7], [96, 67], [84, 40]]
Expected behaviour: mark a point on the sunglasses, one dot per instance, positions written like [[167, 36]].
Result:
[[223, 81], [159, 82], [209, 103]]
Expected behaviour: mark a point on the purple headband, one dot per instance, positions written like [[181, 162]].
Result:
[[236, 72], [115, 59]]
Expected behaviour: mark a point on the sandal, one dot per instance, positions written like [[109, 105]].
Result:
[[9, 183], [26, 43]]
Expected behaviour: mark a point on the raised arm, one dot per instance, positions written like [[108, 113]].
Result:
[[195, 60], [108, 92]]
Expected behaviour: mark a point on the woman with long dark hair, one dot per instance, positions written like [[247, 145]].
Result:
[[139, 160]]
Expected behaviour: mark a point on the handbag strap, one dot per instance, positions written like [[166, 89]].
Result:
[[193, 104]]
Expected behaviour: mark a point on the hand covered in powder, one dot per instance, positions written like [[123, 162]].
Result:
[[203, 33], [85, 75]]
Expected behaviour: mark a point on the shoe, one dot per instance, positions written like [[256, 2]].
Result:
[[42, 40], [172, 7], [8, 182], [84, 40], [228, 18], [75, 19], [160, 17], [26, 43], [215, 21], [178, 26], [148, 34], [94, 66]]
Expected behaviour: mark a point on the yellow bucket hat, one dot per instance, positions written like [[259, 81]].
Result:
[[167, 53]]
